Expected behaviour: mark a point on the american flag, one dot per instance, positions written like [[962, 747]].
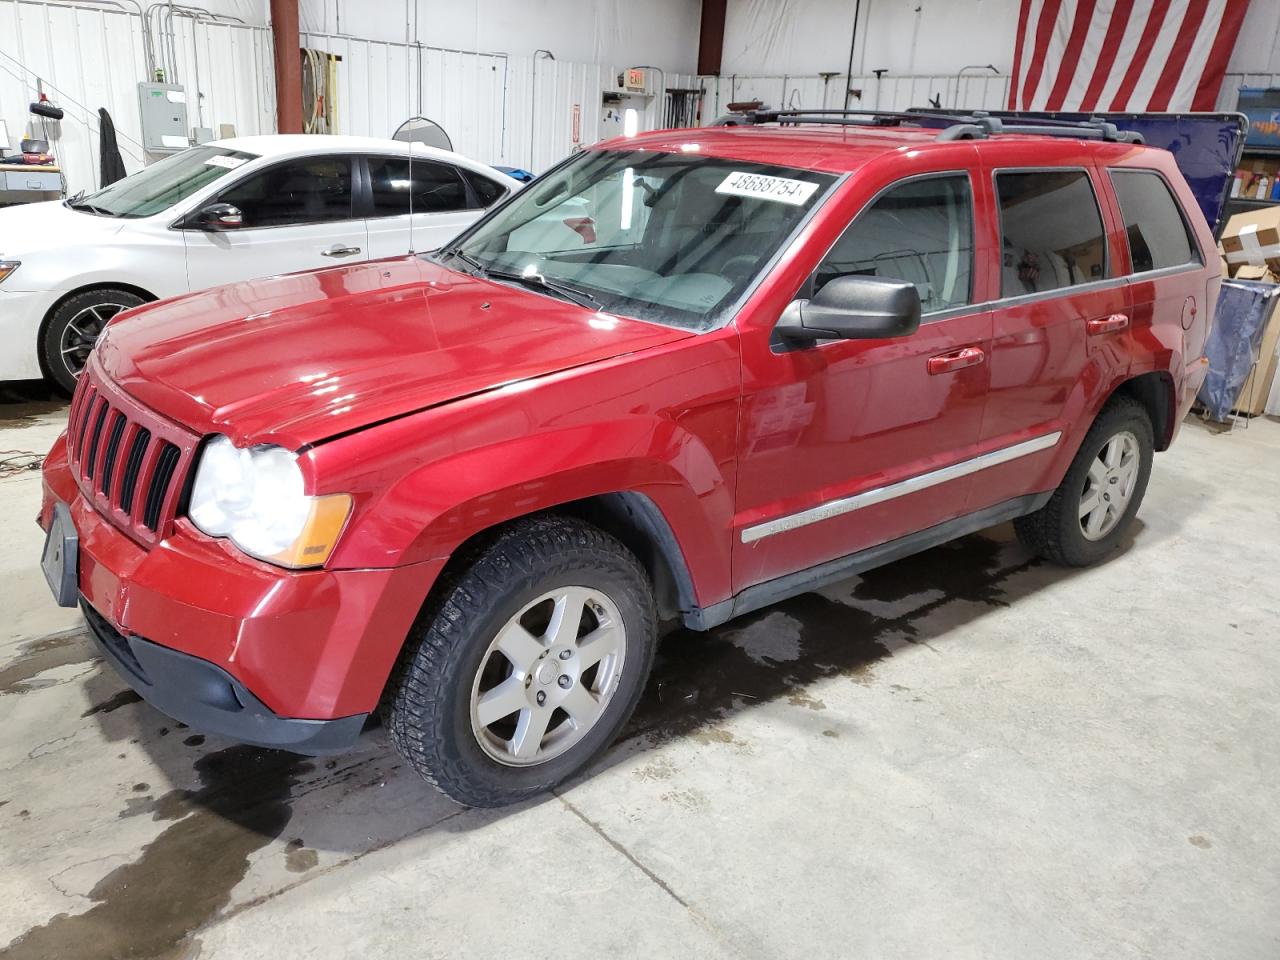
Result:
[[1122, 55]]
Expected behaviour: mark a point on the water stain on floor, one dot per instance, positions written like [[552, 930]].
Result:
[[28, 413], [184, 877], [298, 858], [38, 656], [244, 799], [700, 678], [121, 699]]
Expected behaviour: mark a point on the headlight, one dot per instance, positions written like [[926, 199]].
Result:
[[7, 267], [256, 499]]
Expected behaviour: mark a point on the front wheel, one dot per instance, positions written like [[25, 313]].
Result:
[[526, 664], [1098, 498], [74, 328]]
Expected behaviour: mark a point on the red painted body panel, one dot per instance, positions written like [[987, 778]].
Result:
[[314, 644], [445, 405], [849, 416], [298, 358]]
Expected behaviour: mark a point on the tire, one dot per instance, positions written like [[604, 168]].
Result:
[[73, 326], [445, 705], [1058, 531]]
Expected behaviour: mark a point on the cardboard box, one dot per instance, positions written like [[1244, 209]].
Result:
[[1252, 237]]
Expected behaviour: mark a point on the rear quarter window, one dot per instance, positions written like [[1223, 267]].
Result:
[[488, 192], [1051, 234], [1157, 231]]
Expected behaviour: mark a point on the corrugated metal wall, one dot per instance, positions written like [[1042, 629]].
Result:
[[973, 90], [517, 111], [498, 109], [91, 57]]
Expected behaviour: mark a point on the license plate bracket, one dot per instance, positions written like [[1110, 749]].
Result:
[[60, 559]]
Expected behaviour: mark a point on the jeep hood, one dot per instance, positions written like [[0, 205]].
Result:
[[300, 358]]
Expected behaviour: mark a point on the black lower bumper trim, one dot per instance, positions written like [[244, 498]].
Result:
[[207, 698]]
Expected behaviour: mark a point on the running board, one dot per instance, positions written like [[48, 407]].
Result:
[[802, 581]]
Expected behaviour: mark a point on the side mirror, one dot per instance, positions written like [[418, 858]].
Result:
[[853, 308], [218, 216]]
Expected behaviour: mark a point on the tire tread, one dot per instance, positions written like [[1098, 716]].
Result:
[[526, 551], [1048, 530]]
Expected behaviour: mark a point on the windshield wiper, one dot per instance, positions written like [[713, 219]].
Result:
[[81, 205], [456, 253], [539, 282]]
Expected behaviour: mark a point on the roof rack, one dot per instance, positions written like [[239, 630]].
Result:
[[860, 118], [977, 125], [980, 124]]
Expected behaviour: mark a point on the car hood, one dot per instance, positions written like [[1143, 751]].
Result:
[[300, 358], [30, 227]]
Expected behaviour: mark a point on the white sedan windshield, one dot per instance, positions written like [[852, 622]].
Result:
[[161, 185], [672, 238]]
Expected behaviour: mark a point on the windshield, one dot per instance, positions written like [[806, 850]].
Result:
[[670, 237], [161, 185]]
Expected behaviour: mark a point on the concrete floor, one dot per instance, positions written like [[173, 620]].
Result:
[[966, 754]]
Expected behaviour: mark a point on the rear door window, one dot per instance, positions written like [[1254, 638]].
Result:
[[920, 231], [1051, 233], [1157, 231], [436, 187]]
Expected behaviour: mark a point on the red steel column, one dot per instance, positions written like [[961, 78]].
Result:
[[284, 32], [711, 37]]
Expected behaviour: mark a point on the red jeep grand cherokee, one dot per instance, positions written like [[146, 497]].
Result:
[[679, 377]]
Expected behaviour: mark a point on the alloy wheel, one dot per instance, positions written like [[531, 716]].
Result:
[[82, 332], [548, 676], [1109, 485]]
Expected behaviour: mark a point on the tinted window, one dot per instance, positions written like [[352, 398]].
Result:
[[309, 190], [1158, 235], [437, 187], [1050, 231], [922, 232], [487, 191]]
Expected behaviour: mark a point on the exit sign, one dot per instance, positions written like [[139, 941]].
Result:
[[636, 79]]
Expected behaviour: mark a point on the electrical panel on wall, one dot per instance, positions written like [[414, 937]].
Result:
[[163, 107]]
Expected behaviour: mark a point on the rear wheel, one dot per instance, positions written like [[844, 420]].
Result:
[[527, 665], [75, 327], [1098, 498]]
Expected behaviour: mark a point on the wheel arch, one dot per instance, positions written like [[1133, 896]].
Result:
[[1158, 396], [637, 522], [146, 295]]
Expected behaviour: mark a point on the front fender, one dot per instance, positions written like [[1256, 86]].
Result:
[[433, 509], [427, 483]]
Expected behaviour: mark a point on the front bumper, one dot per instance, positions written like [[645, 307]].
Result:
[[207, 698], [21, 313], [231, 645]]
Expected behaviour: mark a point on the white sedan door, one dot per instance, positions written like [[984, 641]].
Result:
[[442, 205], [297, 215]]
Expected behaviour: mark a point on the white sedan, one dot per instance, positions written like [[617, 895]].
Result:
[[217, 213]]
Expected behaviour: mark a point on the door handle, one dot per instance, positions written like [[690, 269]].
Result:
[[968, 357], [340, 251], [1117, 321]]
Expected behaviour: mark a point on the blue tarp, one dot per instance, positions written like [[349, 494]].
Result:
[[1233, 344]]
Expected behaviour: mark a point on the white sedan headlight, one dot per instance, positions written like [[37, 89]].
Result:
[[256, 498]]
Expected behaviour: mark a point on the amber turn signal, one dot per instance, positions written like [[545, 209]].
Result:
[[319, 535]]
